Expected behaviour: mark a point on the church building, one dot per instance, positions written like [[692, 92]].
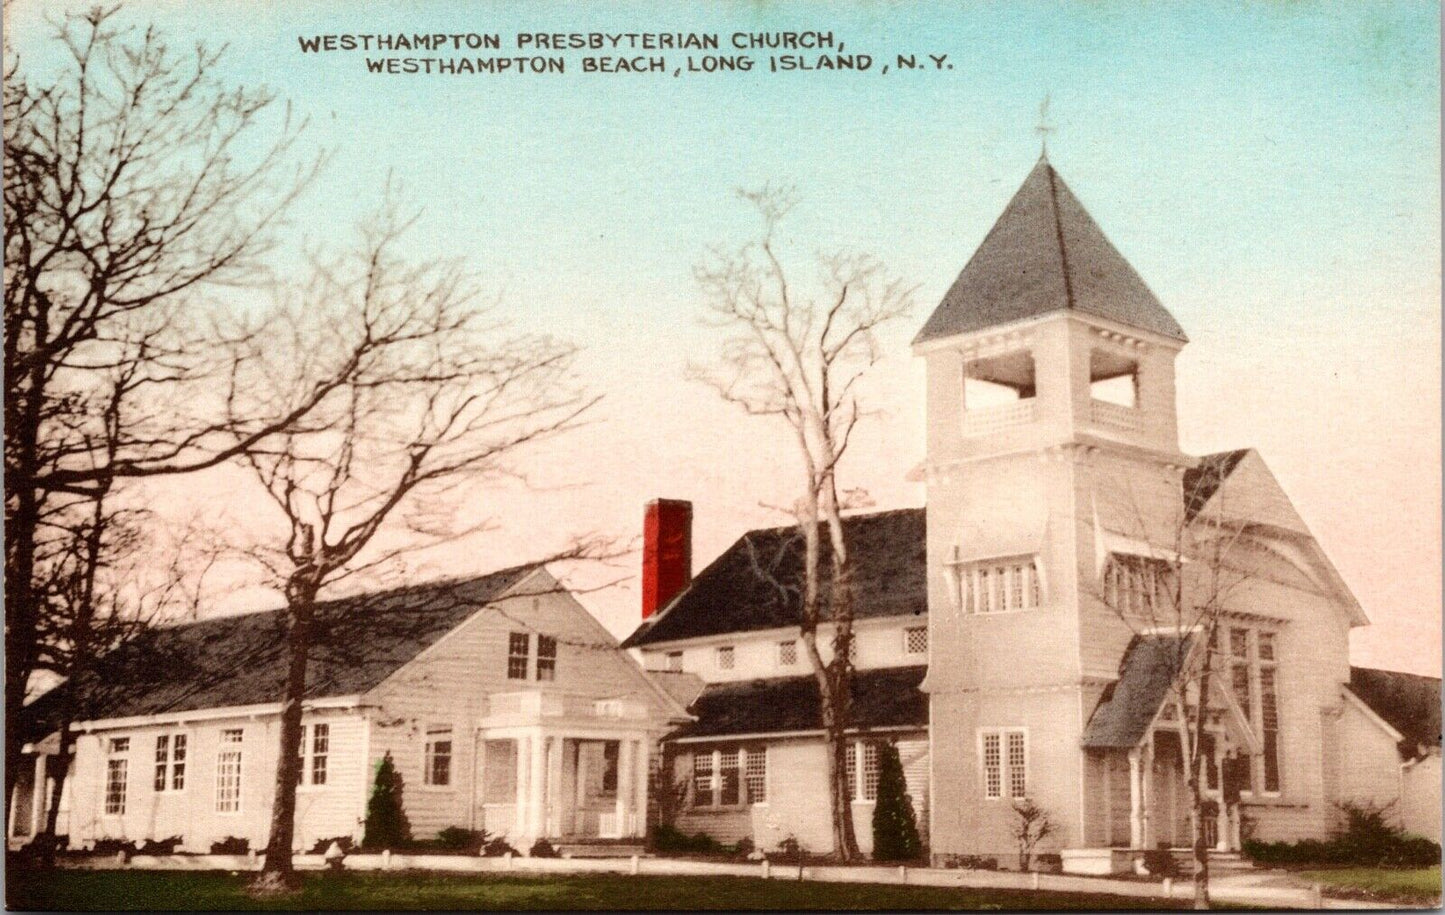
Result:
[[1023, 635]]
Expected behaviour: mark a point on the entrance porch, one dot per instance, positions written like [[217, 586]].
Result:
[[563, 768]]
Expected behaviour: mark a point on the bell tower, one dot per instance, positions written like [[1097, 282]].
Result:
[[1051, 406]]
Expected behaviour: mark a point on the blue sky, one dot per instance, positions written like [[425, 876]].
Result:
[[1271, 169]]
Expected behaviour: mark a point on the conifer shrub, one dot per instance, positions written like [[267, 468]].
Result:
[[895, 827], [386, 825]]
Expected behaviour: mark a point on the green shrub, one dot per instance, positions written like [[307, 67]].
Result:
[[543, 849], [347, 844], [231, 845], [498, 847], [112, 847], [386, 825], [1159, 862], [160, 846], [673, 840], [895, 828], [457, 838], [1367, 838]]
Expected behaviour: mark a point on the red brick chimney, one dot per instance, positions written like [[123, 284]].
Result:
[[666, 552]]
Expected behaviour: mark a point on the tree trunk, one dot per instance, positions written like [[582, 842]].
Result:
[[1196, 792], [278, 874], [845, 842], [59, 770]]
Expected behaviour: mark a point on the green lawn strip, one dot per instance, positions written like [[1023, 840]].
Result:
[[188, 891], [1409, 885]]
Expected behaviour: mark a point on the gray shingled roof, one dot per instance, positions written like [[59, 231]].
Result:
[[1129, 704], [1045, 254], [884, 698], [756, 583], [1410, 703], [239, 659]]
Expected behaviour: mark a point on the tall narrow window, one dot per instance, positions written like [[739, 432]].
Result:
[[850, 770], [438, 769], [725, 657], [674, 660], [116, 770], [163, 762], [992, 766], [517, 643], [546, 657], [702, 793], [1017, 767], [1269, 724], [730, 783], [869, 750], [315, 753], [228, 772], [757, 774], [610, 762]]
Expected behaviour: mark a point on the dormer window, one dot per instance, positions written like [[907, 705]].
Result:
[[1138, 584], [998, 392], [725, 657]]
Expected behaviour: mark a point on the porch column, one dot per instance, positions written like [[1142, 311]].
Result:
[[522, 804], [37, 802], [1136, 799], [554, 786], [537, 797], [624, 785], [644, 770], [1147, 805]]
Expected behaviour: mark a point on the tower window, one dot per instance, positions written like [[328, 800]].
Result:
[[998, 380], [1113, 379]]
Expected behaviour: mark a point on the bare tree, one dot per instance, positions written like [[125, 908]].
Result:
[[1179, 593], [799, 356], [135, 179], [437, 394]]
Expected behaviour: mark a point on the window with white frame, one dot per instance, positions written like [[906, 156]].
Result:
[[1004, 754], [116, 769], [862, 754], [674, 660], [997, 585], [1253, 666], [170, 762], [729, 776], [853, 649], [315, 751], [546, 657], [517, 650], [787, 653], [702, 780], [756, 777], [438, 769], [725, 657], [228, 771], [915, 640]]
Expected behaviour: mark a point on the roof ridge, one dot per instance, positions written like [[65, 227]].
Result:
[[872, 514], [1059, 236], [437, 582], [1395, 673]]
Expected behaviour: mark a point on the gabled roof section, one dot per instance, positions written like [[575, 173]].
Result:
[[1203, 480], [240, 660], [1409, 703], [757, 582], [1130, 704], [883, 698], [1045, 254]]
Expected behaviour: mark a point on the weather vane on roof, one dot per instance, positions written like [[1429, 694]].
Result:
[[1044, 127]]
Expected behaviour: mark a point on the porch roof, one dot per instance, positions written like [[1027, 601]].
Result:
[[1130, 703], [884, 698]]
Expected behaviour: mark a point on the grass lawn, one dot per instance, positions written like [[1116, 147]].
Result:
[[1415, 886], [172, 890]]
